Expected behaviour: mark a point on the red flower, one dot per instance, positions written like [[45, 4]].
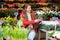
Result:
[[40, 1]]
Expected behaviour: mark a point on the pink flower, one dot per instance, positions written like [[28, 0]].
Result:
[[58, 22]]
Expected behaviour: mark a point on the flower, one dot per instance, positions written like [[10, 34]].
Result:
[[1, 22], [20, 23], [39, 12]]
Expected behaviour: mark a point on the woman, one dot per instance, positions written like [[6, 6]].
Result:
[[29, 20]]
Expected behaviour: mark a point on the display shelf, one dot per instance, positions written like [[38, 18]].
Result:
[[47, 32], [54, 23], [50, 38]]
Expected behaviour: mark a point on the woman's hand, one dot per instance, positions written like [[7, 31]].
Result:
[[38, 20]]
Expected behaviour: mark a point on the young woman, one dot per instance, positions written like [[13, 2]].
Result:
[[29, 20]]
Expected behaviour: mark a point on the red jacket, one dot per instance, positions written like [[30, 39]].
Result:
[[26, 22]]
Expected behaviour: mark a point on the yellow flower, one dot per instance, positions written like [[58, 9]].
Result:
[[4, 9], [8, 17]]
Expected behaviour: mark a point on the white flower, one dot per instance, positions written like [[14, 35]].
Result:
[[16, 13], [59, 12], [19, 23], [1, 22], [39, 12], [56, 34], [51, 31]]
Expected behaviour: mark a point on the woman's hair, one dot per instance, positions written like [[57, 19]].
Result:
[[25, 6]]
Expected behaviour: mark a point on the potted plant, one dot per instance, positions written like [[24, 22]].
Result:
[[1, 34], [19, 33], [6, 31]]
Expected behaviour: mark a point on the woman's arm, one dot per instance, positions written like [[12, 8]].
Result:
[[25, 21]]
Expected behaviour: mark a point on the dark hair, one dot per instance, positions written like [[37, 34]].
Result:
[[25, 6]]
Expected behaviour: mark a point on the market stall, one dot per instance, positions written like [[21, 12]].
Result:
[[54, 23], [48, 25], [11, 24]]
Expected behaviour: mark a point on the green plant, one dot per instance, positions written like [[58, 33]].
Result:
[[7, 13], [50, 34], [50, 14], [1, 33], [6, 31], [7, 21], [58, 28], [47, 27], [19, 33]]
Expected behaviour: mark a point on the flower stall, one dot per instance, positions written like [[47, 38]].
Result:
[[49, 26]]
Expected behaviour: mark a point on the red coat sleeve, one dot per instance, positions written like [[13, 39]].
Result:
[[25, 21]]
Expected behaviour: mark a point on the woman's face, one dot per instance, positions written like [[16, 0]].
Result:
[[28, 9]]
